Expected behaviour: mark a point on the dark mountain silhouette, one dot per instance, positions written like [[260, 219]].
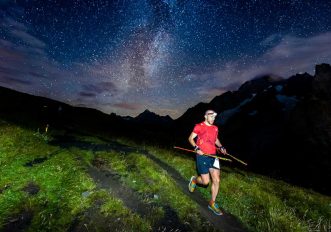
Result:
[[280, 127], [37, 112], [17, 106], [152, 118]]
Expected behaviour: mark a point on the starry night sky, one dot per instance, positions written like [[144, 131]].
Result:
[[125, 56]]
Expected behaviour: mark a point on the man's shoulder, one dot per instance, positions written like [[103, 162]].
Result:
[[200, 124]]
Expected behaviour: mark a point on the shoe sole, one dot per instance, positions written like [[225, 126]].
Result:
[[218, 214], [189, 185]]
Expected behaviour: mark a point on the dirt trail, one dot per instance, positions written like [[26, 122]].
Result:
[[109, 180]]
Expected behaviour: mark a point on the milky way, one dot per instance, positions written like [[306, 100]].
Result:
[[125, 56]]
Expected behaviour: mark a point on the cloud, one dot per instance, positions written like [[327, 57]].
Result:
[[18, 34], [290, 56], [302, 49], [92, 90], [99, 88], [13, 81], [28, 39], [25, 63], [19, 65], [87, 94], [271, 40], [127, 106]]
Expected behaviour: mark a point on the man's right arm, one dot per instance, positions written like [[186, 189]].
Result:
[[191, 139], [192, 142]]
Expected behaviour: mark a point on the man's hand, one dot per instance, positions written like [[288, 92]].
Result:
[[198, 151], [222, 150]]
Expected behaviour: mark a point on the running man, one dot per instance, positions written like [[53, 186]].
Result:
[[206, 135]]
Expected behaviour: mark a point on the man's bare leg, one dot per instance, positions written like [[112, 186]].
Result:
[[203, 179], [215, 179], [215, 182]]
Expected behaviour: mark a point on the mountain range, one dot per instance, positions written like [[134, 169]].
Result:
[[280, 127]]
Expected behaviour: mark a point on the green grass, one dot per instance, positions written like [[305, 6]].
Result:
[[67, 193], [62, 182]]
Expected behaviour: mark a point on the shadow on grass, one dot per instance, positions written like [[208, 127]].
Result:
[[42, 159], [67, 141]]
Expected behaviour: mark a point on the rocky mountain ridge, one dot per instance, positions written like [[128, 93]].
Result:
[[282, 128]]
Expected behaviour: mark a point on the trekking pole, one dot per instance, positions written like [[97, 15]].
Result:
[[214, 156], [240, 161]]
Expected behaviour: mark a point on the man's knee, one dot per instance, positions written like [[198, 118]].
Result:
[[204, 180], [216, 180]]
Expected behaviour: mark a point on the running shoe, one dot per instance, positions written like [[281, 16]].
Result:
[[215, 208], [193, 184]]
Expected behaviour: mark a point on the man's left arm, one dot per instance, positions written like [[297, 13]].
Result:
[[218, 143]]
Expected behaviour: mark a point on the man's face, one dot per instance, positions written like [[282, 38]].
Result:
[[210, 117]]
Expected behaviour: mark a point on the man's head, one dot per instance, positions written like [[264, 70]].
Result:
[[210, 116]]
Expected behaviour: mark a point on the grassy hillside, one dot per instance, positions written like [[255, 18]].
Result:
[[56, 181]]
